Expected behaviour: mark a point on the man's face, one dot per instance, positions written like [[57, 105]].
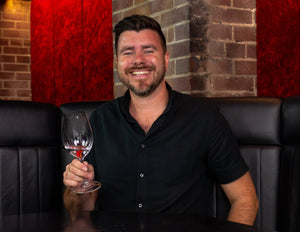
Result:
[[141, 61]]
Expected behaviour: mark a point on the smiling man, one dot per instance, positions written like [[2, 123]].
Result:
[[157, 150]]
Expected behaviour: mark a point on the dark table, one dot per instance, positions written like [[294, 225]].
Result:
[[118, 222]]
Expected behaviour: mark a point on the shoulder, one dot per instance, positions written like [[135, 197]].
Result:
[[107, 109], [195, 105]]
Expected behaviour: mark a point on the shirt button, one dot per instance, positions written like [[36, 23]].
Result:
[[140, 205], [143, 145], [141, 175]]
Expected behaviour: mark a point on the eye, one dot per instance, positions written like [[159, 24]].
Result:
[[127, 53], [148, 51]]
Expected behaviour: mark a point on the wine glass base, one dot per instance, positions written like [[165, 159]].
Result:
[[86, 187]]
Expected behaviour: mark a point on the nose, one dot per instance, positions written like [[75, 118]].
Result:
[[139, 58]]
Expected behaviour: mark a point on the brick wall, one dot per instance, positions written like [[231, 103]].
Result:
[[15, 78], [212, 43]]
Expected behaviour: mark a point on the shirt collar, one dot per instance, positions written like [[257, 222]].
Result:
[[126, 100]]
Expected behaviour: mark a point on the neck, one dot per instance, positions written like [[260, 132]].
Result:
[[146, 110]]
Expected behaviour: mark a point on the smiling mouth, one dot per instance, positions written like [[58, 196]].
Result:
[[141, 72]]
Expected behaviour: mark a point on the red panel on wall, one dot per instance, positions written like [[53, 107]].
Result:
[[42, 54], [278, 47], [78, 41]]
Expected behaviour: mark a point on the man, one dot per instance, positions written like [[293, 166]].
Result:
[[157, 150]]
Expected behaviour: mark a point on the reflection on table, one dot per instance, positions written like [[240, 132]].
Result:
[[118, 222]]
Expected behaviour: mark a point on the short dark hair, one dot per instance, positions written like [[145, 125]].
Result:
[[138, 23]]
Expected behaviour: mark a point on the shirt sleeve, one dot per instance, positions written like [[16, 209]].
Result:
[[224, 160]]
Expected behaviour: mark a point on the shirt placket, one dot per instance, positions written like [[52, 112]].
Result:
[[141, 177]]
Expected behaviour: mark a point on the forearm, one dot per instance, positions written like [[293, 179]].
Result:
[[243, 212], [75, 203]]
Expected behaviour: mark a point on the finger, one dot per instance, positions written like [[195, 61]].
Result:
[[75, 171], [76, 163]]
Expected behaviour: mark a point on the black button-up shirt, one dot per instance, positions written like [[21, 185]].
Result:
[[172, 168]]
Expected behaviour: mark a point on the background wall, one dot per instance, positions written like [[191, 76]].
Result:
[[212, 43], [15, 59], [278, 48], [71, 50]]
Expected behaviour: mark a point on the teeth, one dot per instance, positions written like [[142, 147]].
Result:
[[140, 72]]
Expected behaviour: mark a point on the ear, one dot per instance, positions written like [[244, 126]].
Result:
[[166, 57], [116, 60]]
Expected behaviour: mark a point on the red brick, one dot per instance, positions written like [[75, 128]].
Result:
[[198, 46], [5, 24], [179, 49], [216, 48], [24, 93], [170, 36], [27, 42], [7, 93], [198, 64], [200, 82], [183, 65], [166, 19], [16, 84], [249, 4], [15, 50], [136, 2], [219, 66], [121, 4], [245, 33], [228, 15], [232, 83], [23, 25], [245, 67], [219, 2], [180, 83], [23, 76], [219, 32], [16, 42], [119, 90], [15, 67], [4, 42], [14, 16], [23, 59], [7, 75], [116, 18], [182, 31], [181, 14], [16, 34], [7, 59], [234, 50], [180, 2], [171, 68], [158, 5], [251, 51], [142, 10]]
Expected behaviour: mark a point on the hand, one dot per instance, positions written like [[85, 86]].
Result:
[[76, 172]]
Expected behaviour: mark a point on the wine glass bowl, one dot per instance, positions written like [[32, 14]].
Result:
[[77, 138]]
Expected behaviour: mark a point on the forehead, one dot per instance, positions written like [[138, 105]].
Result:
[[143, 37]]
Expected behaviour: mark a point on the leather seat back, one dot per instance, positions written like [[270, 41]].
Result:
[[291, 164], [30, 173], [256, 123]]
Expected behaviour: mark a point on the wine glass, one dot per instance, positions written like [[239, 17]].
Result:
[[77, 138]]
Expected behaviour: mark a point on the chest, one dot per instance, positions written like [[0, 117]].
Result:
[[164, 155]]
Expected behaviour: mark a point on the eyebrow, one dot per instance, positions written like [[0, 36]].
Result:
[[129, 48]]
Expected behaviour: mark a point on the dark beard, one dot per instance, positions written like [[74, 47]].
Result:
[[147, 91]]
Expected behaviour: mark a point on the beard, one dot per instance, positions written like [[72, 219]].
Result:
[[142, 88]]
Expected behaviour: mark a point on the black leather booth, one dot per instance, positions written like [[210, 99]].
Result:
[[267, 130], [29, 158]]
